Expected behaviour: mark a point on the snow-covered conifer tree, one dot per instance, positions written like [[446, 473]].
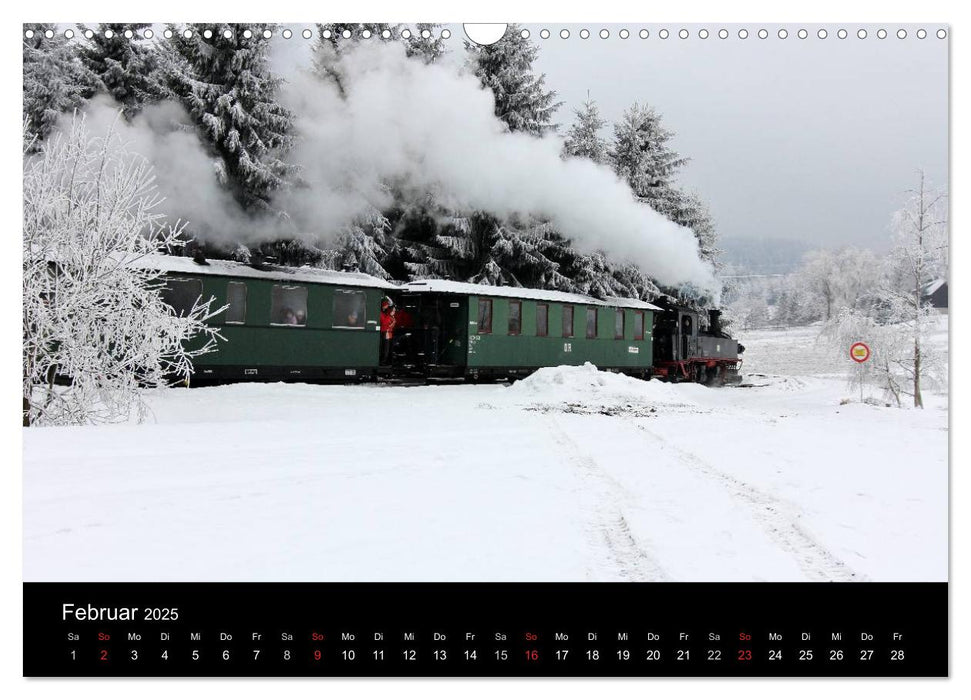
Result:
[[55, 80], [506, 69], [91, 314], [643, 157], [583, 139], [336, 38], [124, 65], [426, 42], [641, 153], [224, 82]]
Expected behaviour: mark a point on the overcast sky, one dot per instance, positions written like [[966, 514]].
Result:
[[807, 139]]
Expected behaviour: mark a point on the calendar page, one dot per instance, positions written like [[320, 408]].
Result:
[[424, 349]]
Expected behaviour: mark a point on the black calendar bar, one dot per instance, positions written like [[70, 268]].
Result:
[[503, 629]]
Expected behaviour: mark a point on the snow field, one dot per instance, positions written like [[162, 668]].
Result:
[[571, 474]]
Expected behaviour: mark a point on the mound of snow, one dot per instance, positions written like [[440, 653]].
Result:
[[586, 383]]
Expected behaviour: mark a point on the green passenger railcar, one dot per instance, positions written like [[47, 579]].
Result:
[[478, 331], [296, 324]]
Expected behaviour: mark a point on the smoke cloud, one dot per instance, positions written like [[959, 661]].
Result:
[[427, 128]]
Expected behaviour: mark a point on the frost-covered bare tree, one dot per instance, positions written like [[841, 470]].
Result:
[[919, 255], [837, 279], [888, 346], [897, 317], [95, 327]]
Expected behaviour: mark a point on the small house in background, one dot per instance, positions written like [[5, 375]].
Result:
[[936, 293]]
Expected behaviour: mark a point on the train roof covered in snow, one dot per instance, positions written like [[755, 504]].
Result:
[[229, 268], [485, 290]]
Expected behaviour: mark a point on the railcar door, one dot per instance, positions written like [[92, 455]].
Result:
[[665, 337], [426, 328], [687, 335]]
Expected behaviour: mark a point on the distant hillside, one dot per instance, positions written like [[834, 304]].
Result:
[[760, 256]]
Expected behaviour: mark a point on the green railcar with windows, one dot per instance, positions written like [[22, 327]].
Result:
[[280, 324], [451, 329]]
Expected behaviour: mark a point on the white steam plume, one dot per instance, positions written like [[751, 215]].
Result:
[[435, 129], [186, 176], [428, 128]]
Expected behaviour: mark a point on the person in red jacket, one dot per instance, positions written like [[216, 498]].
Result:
[[387, 329]]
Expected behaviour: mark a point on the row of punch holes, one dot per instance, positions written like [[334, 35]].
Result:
[[446, 34]]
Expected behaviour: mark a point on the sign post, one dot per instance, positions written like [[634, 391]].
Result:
[[860, 353]]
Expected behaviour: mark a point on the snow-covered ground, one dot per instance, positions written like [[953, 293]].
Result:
[[571, 474]]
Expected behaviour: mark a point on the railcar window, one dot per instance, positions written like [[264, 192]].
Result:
[[638, 325], [591, 322], [485, 315], [515, 317], [542, 319], [288, 306], [619, 325], [350, 308], [567, 321], [236, 298], [182, 295]]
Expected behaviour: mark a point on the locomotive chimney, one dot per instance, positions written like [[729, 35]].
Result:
[[714, 322]]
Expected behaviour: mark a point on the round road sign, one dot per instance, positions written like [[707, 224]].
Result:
[[860, 352]]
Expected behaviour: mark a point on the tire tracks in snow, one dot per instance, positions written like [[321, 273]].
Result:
[[778, 519], [630, 557]]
